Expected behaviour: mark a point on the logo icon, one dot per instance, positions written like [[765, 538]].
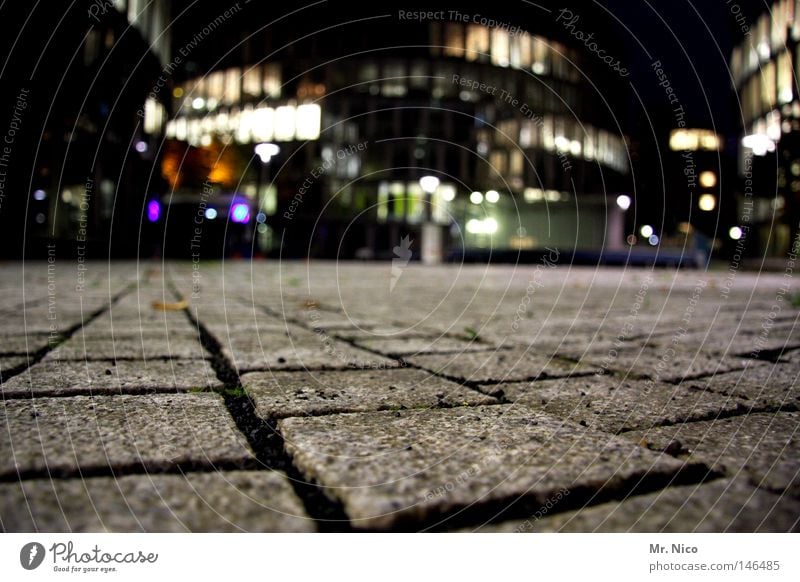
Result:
[[402, 252], [31, 555]]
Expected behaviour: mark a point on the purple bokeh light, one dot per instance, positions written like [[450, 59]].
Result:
[[153, 211], [240, 212]]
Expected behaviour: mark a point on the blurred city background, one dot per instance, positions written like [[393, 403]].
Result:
[[618, 133]]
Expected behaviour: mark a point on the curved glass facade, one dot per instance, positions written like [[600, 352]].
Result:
[[482, 109]]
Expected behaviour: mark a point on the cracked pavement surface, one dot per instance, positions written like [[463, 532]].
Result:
[[294, 396]]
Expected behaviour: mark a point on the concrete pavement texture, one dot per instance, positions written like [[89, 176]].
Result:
[[343, 396]]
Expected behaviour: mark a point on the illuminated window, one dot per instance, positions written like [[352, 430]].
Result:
[[383, 202], [477, 42], [500, 47], [154, 116], [394, 84], [525, 50], [272, 80], [215, 86], [768, 86], [233, 79], [516, 163], [454, 40], [398, 199], [541, 56], [498, 160], [785, 79], [590, 144], [693, 139], [779, 24], [284, 123], [516, 50], [736, 65], [416, 207], [308, 120], [263, 124], [251, 83]]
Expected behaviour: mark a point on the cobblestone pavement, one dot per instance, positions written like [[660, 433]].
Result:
[[280, 396]]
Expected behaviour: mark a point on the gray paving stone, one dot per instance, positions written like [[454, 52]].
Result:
[[610, 404], [413, 346], [226, 501], [101, 377], [720, 506], [771, 385], [128, 347], [133, 322], [763, 447], [8, 363], [63, 435], [298, 350], [282, 394], [668, 364], [391, 467], [499, 366], [24, 344]]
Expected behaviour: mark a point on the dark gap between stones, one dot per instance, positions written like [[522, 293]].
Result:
[[264, 438]]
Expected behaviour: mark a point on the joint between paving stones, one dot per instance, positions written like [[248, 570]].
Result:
[[264, 437]]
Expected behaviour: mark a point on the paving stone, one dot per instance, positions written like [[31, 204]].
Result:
[[392, 467], [282, 394], [102, 377], [413, 346], [668, 364], [499, 366], [24, 344], [720, 506], [8, 363], [226, 501], [772, 385], [610, 404], [132, 322], [764, 447], [130, 348], [159, 431], [298, 350]]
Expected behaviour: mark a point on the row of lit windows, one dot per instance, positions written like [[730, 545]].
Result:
[[521, 50], [228, 87], [561, 135], [395, 78], [768, 37], [408, 201], [773, 86], [250, 125]]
